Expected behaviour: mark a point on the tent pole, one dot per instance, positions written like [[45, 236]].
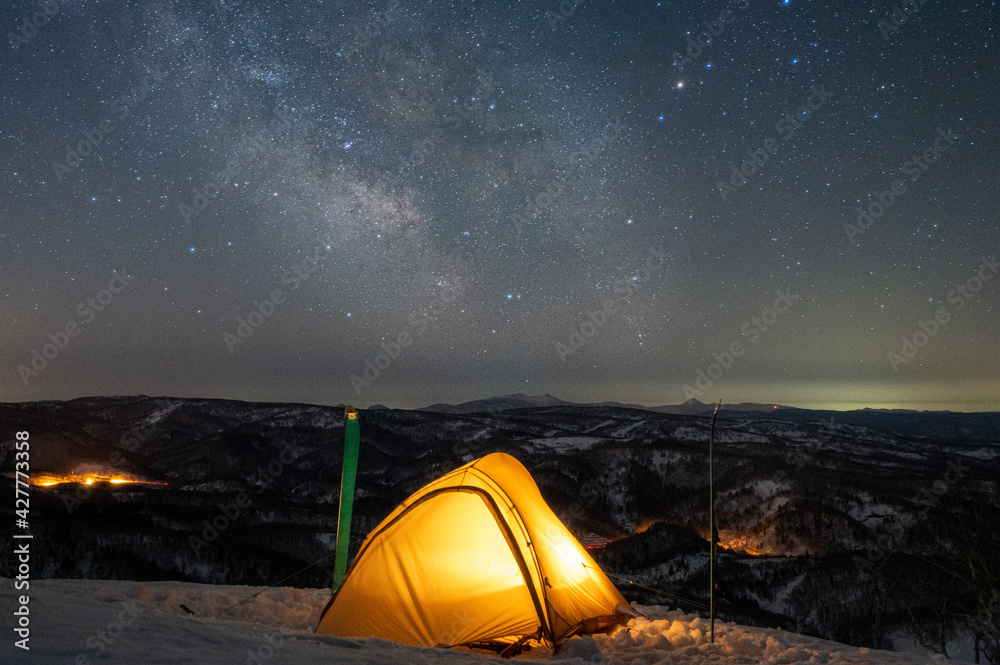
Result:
[[352, 440], [712, 533]]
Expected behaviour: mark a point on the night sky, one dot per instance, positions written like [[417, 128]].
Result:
[[600, 201]]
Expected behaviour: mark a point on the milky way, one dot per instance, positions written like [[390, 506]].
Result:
[[419, 202]]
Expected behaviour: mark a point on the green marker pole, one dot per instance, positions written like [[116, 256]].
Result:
[[352, 440]]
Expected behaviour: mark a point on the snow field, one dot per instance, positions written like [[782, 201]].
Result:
[[125, 623]]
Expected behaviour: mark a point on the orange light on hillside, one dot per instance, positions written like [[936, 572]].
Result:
[[50, 479], [745, 545]]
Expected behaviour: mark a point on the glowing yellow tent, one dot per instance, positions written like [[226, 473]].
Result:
[[474, 558]]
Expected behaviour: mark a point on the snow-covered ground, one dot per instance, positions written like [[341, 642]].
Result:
[[142, 623], [564, 444]]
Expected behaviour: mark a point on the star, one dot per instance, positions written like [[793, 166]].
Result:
[[504, 155]]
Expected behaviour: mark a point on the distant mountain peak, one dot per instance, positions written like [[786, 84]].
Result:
[[500, 403], [523, 401]]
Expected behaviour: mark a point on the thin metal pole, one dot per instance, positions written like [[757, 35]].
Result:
[[711, 526]]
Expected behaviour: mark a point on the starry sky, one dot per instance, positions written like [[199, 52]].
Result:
[[412, 202]]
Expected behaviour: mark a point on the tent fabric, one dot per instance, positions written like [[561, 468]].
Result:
[[474, 557]]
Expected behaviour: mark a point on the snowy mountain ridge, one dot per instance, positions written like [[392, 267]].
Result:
[[826, 524]]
